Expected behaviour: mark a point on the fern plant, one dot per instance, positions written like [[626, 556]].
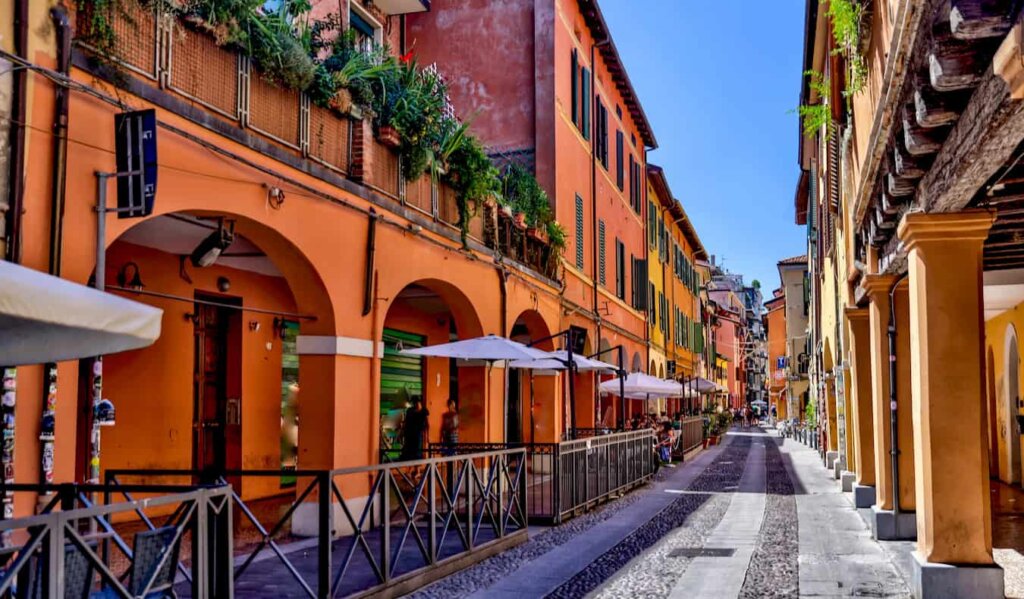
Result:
[[847, 18]]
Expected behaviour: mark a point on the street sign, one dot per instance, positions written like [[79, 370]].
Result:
[[135, 146]]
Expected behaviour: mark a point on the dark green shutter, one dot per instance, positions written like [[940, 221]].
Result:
[[575, 89], [579, 232], [602, 279], [398, 371], [621, 168], [585, 102]]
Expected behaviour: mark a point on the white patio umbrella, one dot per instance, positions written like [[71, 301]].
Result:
[[489, 348], [47, 319], [638, 383], [559, 361]]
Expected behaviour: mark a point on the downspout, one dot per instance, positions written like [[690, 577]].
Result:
[[894, 452], [59, 16], [371, 251], [19, 105], [593, 183]]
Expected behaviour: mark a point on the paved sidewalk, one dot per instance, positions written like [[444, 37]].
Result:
[[541, 576], [838, 557]]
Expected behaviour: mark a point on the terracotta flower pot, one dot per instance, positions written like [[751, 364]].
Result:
[[538, 233], [519, 219], [389, 136]]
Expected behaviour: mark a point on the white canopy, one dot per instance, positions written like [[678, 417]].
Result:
[[47, 319], [638, 384], [558, 360], [489, 348]]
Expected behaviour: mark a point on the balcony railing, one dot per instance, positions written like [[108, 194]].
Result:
[[185, 63]]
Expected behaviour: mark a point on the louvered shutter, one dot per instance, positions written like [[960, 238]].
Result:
[[575, 89], [579, 232], [602, 279]]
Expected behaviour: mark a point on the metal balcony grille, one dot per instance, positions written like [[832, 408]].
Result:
[[329, 139]]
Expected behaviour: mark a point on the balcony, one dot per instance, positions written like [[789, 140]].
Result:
[[185, 71]]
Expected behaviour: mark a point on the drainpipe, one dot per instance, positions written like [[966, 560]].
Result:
[[894, 452], [371, 251], [59, 16], [17, 136], [593, 182]]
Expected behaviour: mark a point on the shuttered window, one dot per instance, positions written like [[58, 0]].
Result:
[[620, 168], [398, 371], [601, 132], [585, 102], [600, 253], [575, 89], [620, 270], [650, 307], [579, 232]]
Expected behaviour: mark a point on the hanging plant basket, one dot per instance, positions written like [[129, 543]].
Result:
[[389, 136]]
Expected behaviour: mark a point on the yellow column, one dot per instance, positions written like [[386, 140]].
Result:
[[861, 409], [877, 287], [945, 265], [848, 419]]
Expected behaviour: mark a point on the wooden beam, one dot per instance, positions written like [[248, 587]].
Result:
[[979, 19], [955, 65], [982, 141], [920, 141], [905, 165], [934, 109]]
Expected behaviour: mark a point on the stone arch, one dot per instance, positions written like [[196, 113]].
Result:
[[431, 312], [533, 405], [270, 292], [1011, 402]]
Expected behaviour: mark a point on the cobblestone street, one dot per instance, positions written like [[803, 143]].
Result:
[[757, 516]]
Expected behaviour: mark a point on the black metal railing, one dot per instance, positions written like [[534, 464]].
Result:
[[567, 478], [392, 526], [73, 547]]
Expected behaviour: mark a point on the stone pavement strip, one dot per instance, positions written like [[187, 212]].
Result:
[[757, 517], [721, 569]]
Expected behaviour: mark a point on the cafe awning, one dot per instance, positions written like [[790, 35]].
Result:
[[47, 319]]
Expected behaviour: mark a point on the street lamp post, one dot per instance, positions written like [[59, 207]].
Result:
[[570, 365]]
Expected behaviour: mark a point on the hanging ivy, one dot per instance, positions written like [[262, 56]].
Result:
[[817, 116], [849, 19]]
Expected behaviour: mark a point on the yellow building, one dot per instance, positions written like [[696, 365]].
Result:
[[677, 336], [909, 189]]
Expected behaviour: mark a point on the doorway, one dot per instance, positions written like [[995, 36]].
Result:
[[1013, 405], [217, 415]]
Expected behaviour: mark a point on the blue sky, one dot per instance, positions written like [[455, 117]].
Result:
[[718, 81]]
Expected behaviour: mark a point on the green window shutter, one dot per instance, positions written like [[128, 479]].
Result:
[[575, 89], [652, 217], [579, 232], [620, 169], [585, 102], [602, 279]]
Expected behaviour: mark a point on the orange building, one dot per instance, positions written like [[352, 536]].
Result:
[[775, 323], [285, 350], [552, 93]]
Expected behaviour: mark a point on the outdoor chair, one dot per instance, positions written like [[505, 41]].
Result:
[[149, 548], [78, 575]]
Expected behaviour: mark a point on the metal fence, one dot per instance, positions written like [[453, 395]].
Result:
[[384, 529], [567, 478], [691, 434], [73, 547]]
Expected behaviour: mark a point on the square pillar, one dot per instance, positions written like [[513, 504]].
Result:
[[861, 409], [877, 355], [954, 545], [888, 522]]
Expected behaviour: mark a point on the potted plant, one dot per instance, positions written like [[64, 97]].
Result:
[[519, 220], [538, 232]]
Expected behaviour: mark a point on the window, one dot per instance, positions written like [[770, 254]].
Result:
[[652, 222], [620, 269], [650, 306], [579, 232], [639, 289], [575, 89], [585, 102], [620, 168], [367, 32], [601, 132], [600, 253]]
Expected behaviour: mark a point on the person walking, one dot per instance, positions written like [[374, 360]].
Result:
[[414, 431], [450, 428]]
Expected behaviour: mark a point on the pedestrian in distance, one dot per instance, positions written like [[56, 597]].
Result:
[[414, 431], [450, 428]]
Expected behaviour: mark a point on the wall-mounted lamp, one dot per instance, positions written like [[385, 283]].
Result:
[[223, 284], [133, 282], [254, 325], [279, 327], [210, 249]]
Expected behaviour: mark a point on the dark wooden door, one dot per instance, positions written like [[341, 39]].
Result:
[[216, 445]]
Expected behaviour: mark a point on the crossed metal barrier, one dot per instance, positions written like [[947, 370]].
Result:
[[390, 525]]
